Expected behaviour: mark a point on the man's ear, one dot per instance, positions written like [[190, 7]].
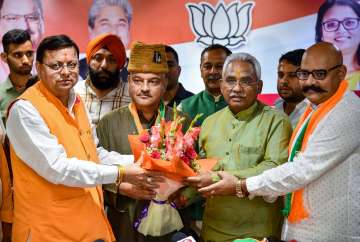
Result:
[[4, 57], [259, 87], [342, 72], [37, 65]]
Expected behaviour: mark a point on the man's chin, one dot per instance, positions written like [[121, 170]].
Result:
[[313, 98], [144, 102], [213, 84]]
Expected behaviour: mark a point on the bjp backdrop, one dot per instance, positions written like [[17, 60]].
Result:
[[264, 28]]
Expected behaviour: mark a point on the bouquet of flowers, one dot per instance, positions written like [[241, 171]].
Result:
[[167, 149]]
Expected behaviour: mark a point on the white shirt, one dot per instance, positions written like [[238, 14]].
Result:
[[2, 131], [98, 107], [295, 115], [40, 150], [329, 172]]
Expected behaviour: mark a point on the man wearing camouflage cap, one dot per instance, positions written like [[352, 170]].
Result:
[[147, 84]]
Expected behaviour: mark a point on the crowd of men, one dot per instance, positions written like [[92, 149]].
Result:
[[287, 172]]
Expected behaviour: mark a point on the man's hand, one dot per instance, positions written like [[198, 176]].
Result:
[[136, 175], [226, 186], [202, 180], [136, 192]]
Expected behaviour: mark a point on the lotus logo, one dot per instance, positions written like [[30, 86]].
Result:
[[226, 26]]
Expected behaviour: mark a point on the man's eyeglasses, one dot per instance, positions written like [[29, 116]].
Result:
[[243, 82], [347, 23], [30, 18], [317, 74], [71, 66]]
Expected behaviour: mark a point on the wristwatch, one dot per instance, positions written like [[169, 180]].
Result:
[[239, 192]]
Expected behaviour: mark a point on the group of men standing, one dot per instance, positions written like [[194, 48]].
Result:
[[70, 154]]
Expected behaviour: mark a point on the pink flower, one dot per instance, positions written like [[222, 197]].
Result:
[[195, 132], [185, 159], [144, 137], [155, 154], [155, 137], [191, 153]]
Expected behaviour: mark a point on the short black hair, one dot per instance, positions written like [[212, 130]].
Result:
[[55, 42], [323, 10], [293, 57], [215, 47], [15, 36], [168, 48]]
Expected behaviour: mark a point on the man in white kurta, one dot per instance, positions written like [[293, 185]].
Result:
[[328, 169]]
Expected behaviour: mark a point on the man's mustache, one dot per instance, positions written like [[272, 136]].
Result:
[[313, 88], [144, 93], [214, 77]]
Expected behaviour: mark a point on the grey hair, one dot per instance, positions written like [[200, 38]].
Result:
[[38, 5], [97, 5], [241, 56]]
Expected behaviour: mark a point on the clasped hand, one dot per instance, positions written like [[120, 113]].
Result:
[[208, 188]]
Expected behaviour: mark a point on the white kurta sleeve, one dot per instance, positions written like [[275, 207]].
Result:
[[111, 157], [333, 141], [40, 150]]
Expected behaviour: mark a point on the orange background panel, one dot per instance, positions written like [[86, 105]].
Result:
[[67, 17], [165, 21]]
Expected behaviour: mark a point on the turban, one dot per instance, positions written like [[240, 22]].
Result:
[[148, 58], [110, 42]]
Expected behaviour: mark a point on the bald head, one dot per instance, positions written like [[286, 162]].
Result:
[[324, 53], [324, 61]]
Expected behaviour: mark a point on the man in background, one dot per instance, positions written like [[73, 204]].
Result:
[[103, 90], [19, 56], [210, 100], [292, 101], [175, 91]]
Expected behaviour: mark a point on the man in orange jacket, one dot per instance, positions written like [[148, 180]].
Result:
[[58, 168]]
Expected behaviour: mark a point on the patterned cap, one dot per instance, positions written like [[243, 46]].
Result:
[[148, 58]]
